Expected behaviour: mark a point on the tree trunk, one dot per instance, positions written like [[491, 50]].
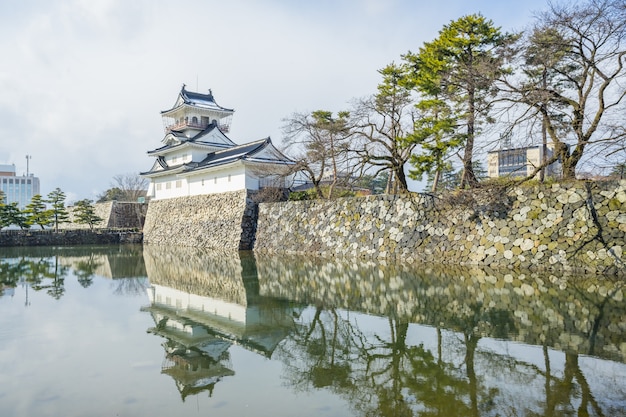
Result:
[[544, 129], [469, 179], [401, 180], [436, 181], [569, 161]]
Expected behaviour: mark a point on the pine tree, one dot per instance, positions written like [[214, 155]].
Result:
[[37, 212], [59, 212], [456, 74], [85, 213], [10, 214]]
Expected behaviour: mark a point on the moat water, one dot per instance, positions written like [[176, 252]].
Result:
[[154, 331]]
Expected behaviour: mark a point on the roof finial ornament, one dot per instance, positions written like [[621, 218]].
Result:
[[184, 85]]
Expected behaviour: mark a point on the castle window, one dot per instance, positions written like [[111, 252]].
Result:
[[194, 120], [179, 183]]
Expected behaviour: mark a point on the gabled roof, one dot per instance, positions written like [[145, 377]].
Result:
[[176, 140], [261, 151], [160, 168], [203, 101]]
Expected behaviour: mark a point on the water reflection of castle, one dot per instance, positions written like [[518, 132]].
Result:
[[202, 304]]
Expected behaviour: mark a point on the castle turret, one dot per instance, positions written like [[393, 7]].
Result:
[[194, 112]]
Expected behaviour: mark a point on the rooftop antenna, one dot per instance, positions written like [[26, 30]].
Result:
[[197, 82], [28, 158]]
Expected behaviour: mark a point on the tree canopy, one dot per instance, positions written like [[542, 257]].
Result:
[[85, 213], [455, 75], [56, 198]]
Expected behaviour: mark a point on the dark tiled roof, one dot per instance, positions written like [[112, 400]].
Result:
[[184, 139], [226, 156], [199, 100], [241, 152]]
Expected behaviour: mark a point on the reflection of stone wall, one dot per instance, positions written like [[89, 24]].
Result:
[[582, 315], [223, 221], [197, 271], [578, 225]]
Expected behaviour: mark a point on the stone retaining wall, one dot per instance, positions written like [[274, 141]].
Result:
[[114, 214], [224, 221], [69, 237], [577, 226]]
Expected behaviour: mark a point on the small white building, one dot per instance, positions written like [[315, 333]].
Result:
[[520, 162], [198, 158]]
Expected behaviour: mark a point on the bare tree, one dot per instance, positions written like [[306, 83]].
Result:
[[573, 79], [383, 123], [125, 187], [317, 142]]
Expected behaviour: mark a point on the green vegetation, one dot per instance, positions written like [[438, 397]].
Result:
[[455, 76], [85, 213], [37, 213], [46, 212], [59, 214]]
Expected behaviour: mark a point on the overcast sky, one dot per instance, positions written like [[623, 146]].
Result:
[[82, 82]]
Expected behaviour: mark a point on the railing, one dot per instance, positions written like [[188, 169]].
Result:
[[197, 125]]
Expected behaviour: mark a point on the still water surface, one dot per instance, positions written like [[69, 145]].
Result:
[[152, 331]]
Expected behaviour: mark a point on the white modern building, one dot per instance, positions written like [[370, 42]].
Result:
[[521, 162], [20, 189], [198, 158]]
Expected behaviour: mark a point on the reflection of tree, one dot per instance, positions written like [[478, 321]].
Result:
[[323, 348], [130, 286], [380, 375], [46, 268], [11, 272], [85, 269], [47, 274], [406, 378], [570, 394], [479, 319]]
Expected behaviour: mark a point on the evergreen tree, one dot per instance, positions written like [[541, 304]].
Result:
[[3, 219], [37, 212], [59, 212], [460, 68], [10, 214], [85, 213]]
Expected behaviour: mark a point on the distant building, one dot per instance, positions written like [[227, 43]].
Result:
[[20, 189], [520, 162], [198, 158]]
